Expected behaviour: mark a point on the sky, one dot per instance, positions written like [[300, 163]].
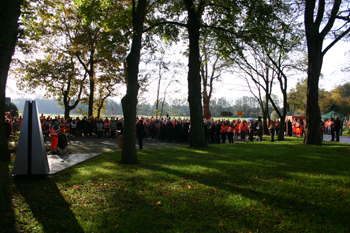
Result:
[[230, 87]]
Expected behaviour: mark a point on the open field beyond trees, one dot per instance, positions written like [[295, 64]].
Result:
[[284, 186]]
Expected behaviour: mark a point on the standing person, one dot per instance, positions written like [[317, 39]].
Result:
[[223, 132], [62, 126], [336, 128], [113, 127], [272, 131], [86, 124], [251, 130], [68, 127], [15, 125], [212, 132], [54, 131], [289, 128], [277, 126], [106, 127], [169, 130], [99, 126], [331, 125], [8, 128], [259, 128], [243, 128], [73, 128], [140, 131], [230, 133], [322, 128], [218, 129]]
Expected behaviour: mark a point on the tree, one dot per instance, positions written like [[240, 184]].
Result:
[[9, 14], [212, 65], [55, 73], [11, 107], [321, 19], [195, 12], [297, 99], [129, 101], [266, 58], [340, 97], [66, 38]]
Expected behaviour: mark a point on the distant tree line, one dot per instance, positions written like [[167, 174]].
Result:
[[172, 107]]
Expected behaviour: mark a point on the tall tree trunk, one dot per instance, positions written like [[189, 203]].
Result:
[[129, 101], [313, 115], [315, 57], [206, 102], [92, 83], [197, 138], [314, 38], [158, 90], [283, 117], [9, 13], [91, 95]]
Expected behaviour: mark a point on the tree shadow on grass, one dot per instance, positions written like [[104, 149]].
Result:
[[7, 215], [297, 207], [47, 204]]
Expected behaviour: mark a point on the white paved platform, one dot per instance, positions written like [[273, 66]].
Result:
[[59, 163]]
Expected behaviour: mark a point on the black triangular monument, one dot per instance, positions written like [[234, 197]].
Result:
[[31, 158]]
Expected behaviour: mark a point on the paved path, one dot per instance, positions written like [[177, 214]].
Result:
[[80, 149], [83, 148], [344, 139]]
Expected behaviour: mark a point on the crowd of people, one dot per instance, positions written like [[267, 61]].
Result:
[[333, 127], [170, 129]]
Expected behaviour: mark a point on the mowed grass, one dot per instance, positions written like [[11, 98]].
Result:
[[242, 187]]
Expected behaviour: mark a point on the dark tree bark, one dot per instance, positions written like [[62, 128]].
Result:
[[129, 101], [9, 14], [92, 84], [206, 104], [197, 138], [66, 98], [314, 37], [89, 69]]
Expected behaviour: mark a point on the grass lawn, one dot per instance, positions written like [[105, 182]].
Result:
[[242, 187]]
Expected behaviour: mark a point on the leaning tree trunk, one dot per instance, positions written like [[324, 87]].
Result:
[[197, 138], [129, 101], [266, 116], [9, 13]]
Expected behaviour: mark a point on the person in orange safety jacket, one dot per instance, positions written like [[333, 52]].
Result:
[[223, 131], [54, 131]]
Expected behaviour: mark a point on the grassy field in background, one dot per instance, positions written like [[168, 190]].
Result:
[[241, 187]]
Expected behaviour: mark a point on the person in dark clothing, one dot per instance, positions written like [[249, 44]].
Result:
[[8, 128], [272, 130], [290, 129], [185, 129], [259, 128], [332, 128], [85, 126], [336, 129], [212, 133], [251, 130], [218, 132], [169, 130], [140, 131]]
